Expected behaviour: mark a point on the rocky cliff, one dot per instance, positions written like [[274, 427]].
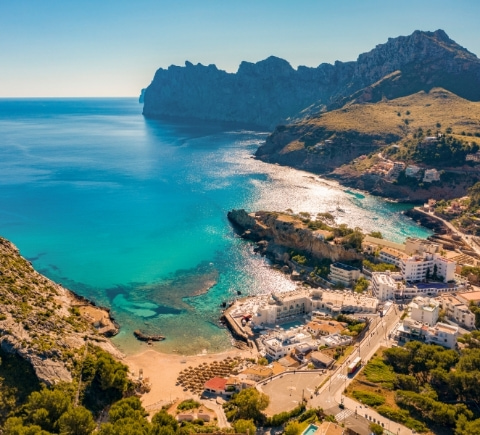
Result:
[[279, 233], [43, 322], [271, 92]]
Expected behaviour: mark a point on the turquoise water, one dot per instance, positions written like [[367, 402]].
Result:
[[310, 430], [132, 213]]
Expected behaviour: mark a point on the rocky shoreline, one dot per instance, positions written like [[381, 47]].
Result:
[[45, 323], [278, 234]]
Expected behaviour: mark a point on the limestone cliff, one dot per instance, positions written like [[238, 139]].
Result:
[[271, 92], [280, 233], [43, 322]]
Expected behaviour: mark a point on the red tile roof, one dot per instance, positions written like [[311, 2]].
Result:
[[216, 383]]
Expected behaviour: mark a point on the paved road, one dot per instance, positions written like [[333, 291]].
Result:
[[469, 243], [331, 395]]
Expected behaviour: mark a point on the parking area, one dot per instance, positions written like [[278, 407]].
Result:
[[287, 390]]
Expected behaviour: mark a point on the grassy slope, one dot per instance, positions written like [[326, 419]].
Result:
[[426, 110]]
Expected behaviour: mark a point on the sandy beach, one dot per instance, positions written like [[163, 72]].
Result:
[[161, 371]]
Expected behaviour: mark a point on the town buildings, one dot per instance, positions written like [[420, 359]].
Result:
[[383, 286], [343, 274], [457, 311], [425, 310]]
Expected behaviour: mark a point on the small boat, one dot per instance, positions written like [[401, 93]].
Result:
[[340, 209]]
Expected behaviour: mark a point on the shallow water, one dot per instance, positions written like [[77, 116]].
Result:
[[132, 213]]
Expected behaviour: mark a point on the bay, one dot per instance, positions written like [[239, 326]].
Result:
[[131, 212]]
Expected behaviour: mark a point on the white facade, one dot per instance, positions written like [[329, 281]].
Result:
[[457, 311], [431, 175], [443, 335], [282, 344], [425, 310], [343, 274], [412, 171], [418, 266], [277, 308], [335, 340], [383, 285]]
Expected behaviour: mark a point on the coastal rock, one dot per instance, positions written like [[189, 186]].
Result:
[[284, 233], [43, 322], [271, 92]]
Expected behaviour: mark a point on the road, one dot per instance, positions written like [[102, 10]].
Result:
[[473, 246], [331, 395]]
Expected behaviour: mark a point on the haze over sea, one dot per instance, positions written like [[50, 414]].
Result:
[[131, 213]]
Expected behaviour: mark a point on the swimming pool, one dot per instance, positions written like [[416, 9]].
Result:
[[310, 430]]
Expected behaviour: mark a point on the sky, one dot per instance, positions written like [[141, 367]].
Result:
[[112, 48]]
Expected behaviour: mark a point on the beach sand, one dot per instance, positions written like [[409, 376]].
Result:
[[161, 371]]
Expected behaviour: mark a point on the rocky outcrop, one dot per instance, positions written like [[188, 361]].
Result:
[[271, 92], [277, 234], [43, 322]]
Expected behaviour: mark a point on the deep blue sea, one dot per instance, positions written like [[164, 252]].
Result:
[[131, 213]]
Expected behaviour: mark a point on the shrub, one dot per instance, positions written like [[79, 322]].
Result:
[[370, 399]]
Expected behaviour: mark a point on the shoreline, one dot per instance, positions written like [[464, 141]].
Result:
[[160, 370]]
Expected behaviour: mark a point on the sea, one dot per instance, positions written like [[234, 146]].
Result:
[[132, 213]]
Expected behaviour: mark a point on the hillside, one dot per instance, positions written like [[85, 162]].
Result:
[[270, 92], [328, 143], [44, 323]]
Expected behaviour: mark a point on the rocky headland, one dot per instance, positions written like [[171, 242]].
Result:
[[43, 322], [278, 234]]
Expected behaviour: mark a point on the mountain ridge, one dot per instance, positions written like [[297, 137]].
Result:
[[271, 91]]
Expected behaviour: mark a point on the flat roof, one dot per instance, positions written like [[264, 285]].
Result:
[[470, 296], [344, 266], [436, 285]]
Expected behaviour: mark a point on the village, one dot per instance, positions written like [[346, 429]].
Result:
[[306, 346]]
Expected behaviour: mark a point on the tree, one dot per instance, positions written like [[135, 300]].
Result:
[[244, 427], [45, 407], [164, 419], [76, 421], [361, 285], [293, 428], [376, 429], [249, 403], [377, 234]]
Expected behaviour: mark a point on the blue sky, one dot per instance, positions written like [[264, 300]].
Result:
[[51, 48]]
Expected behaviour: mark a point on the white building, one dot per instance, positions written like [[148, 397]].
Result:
[[383, 285], [343, 274], [443, 335], [335, 340], [284, 343], [431, 175], [424, 310], [418, 266], [414, 245], [457, 311], [412, 171]]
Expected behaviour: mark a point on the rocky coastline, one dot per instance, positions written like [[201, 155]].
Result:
[[277, 234], [45, 323]]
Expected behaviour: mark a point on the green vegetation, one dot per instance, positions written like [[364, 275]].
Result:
[[446, 151], [370, 399], [247, 405], [379, 267], [361, 285], [376, 429], [379, 372], [424, 386], [188, 404]]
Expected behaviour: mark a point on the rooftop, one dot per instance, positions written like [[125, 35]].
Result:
[[344, 266]]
